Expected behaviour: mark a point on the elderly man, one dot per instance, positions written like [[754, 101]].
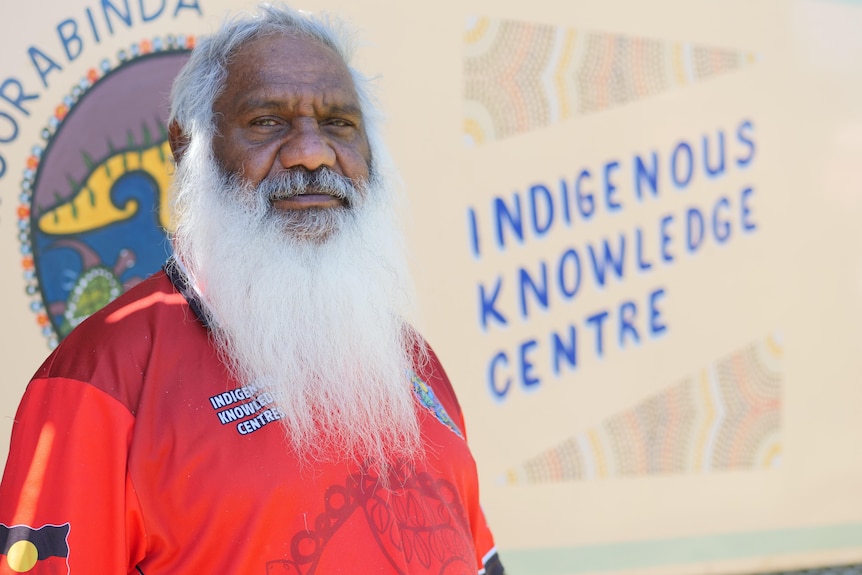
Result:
[[261, 405]]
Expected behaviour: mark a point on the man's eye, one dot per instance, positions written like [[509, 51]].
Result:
[[264, 122], [338, 123]]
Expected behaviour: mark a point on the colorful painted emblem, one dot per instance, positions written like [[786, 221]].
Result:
[[430, 402], [94, 207], [24, 549]]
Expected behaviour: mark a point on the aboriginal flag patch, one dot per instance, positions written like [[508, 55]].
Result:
[[41, 551]]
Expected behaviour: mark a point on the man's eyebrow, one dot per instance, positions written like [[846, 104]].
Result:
[[256, 104], [253, 104], [345, 109]]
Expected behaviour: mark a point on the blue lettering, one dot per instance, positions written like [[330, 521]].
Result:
[[543, 192], [487, 306], [528, 378], [586, 202], [628, 311], [564, 195], [512, 217], [72, 41], [694, 229], [656, 326], [567, 291], [643, 265], [720, 228], [743, 134], [610, 187], [474, 232], [93, 25], [19, 96], [564, 350], [125, 17], [540, 291], [496, 390], [43, 64], [183, 4], [716, 171], [600, 264], [150, 17], [666, 238], [747, 224], [650, 175], [597, 320], [678, 181]]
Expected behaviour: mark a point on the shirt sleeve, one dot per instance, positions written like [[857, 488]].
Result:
[[66, 502], [483, 540]]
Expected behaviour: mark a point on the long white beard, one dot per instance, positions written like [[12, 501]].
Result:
[[320, 325]]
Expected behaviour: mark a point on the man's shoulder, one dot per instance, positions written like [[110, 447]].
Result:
[[430, 369], [137, 308], [115, 345]]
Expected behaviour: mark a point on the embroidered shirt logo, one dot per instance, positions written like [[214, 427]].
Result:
[[430, 402], [250, 410], [246, 407]]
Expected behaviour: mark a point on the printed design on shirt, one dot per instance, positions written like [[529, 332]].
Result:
[[35, 551], [430, 402], [245, 408], [94, 203], [420, 525]]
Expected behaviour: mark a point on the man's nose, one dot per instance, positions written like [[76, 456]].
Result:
[[306, 146]]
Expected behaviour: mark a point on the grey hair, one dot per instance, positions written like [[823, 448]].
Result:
[[202, 79]]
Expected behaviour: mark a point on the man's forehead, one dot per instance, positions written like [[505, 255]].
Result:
[[279, 61]]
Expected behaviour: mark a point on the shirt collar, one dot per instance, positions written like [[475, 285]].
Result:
[[181, 279]]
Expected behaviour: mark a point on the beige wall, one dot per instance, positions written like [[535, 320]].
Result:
[[725, 437]]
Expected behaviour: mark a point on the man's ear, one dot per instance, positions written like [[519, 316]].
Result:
[[179, 141]]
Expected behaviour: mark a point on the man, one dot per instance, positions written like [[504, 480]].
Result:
[[261, 405]]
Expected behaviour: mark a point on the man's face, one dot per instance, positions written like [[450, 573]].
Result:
[[290, 103]]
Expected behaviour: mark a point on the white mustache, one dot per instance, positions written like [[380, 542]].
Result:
[[299, 181]]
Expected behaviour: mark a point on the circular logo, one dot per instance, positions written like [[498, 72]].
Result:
[[94, 198]]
